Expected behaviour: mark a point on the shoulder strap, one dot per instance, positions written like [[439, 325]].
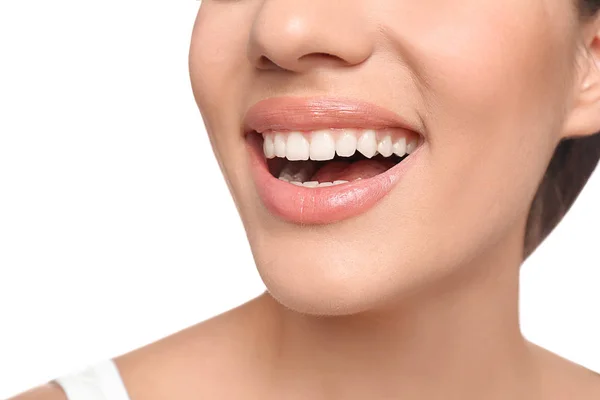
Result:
[[101, 381]]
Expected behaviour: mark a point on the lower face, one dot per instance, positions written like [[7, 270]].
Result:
[[408, 153]]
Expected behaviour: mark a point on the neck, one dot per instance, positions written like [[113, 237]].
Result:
[[459, 338]]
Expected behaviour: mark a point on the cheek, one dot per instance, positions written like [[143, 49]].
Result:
[[492, 77], [219, 72], [476, 60], [217, 62]]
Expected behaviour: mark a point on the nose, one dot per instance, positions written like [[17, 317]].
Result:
[[297, 35]]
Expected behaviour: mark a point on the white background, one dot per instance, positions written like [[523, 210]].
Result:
[[116, 228]]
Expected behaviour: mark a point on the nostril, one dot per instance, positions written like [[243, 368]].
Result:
[[322, 57], [265, 62]]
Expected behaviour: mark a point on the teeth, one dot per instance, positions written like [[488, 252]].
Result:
[[400, 147], [297, 147], [322, 146], [279, 144], [411, 146], [385, 147], [367, 144], [269, 146], [314, 184], [346, 145]]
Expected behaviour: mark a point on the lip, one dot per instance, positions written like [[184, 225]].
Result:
[[329, 204], [307, 114]]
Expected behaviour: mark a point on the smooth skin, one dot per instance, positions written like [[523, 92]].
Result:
[[416, 299]]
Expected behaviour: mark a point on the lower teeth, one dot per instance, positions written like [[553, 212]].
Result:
[[312, 174], [313, 184]]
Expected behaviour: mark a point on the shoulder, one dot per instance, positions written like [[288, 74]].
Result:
[[200, 361], [563, 379], [49, 391]]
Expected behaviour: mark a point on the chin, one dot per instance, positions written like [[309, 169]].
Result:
[[322, 294], [313, 270]]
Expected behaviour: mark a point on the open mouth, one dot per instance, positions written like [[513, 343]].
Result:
[[320, 160], [333, 157]]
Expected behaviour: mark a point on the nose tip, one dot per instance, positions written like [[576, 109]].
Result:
[[297, 35]]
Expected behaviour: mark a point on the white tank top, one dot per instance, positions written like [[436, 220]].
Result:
[[101, 381]]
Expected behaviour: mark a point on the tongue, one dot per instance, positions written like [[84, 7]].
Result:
[[346, 171]]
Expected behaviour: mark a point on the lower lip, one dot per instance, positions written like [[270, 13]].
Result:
[[321, 205]]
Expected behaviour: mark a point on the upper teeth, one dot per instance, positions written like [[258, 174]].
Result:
[[323, 144]]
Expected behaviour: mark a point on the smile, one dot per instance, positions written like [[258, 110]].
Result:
[[319, 161]]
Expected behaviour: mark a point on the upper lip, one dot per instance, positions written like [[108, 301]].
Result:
[[309, 114]]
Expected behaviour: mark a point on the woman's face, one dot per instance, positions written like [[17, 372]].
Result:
[[479, 89]]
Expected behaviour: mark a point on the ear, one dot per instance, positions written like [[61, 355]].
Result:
[[584, 115]]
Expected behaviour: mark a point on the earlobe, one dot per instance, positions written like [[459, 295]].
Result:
[[584, 116]]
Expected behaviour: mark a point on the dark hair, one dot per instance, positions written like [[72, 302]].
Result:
[[589, 7], [572, 164]]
